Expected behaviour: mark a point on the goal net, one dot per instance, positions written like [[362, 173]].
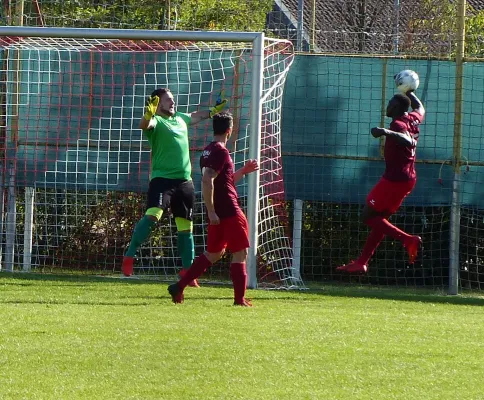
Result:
[[76, 167]]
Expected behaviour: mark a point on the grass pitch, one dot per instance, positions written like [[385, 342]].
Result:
[[93, 338]]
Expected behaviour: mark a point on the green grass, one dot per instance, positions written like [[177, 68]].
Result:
[[93, 338]]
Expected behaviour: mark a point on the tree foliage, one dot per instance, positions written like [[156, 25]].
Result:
[[230, 15], [360, 17], [434, 30]]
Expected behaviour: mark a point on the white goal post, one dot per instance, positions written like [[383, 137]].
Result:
[[265, 86]]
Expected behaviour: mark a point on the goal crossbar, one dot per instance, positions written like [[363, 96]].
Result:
[[128, 34]]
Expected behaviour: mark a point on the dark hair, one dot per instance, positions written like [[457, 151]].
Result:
[[403, 102], [160, 92], [221, 122]]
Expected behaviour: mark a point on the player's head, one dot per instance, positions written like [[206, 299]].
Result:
[[166, 106], [398, 105], [223, 122]]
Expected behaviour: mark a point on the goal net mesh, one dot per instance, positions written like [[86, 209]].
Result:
[[70, 111]]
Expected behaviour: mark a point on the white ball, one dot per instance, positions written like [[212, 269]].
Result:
[[406, 80]]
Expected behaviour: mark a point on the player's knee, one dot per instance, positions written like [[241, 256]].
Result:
[[366, 217], [367, 214], [240, 256], [214, 257], [154, 213], [183, 224]]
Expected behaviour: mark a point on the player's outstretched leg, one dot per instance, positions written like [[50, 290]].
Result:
[[199, 266], [192, 283], [410, 242], [360, 266], [381, 227], [142, 232]]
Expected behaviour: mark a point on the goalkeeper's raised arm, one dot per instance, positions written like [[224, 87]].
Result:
[[164, 106], [220, 104], [161, 103], [151, 108]]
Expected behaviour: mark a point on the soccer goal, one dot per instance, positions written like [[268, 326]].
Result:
[[76, 167]]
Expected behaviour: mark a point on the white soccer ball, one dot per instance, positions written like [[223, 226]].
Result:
[[406, 80]]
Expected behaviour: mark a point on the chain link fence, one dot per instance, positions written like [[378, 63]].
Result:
[[387, 27]]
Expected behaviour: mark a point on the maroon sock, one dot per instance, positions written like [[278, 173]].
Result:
[[238, 274], [374, 239], [387, 228], [198, 267]]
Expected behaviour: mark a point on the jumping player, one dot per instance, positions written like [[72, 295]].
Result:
[[397, 182], [227, 223], [170, 185]]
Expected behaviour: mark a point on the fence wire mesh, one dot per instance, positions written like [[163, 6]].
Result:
[[399, 27]]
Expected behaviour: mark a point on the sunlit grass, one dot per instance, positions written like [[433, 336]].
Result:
[[92, 338]]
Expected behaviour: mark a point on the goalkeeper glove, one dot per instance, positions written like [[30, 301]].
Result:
[[219, 105], [151, 107]]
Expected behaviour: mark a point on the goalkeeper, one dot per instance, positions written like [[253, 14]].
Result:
[[170, 185]]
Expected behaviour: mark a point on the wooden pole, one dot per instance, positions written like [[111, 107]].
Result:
[[457, 152]]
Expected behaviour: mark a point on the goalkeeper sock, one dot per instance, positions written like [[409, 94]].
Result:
[[142, 231], [387, 228], [186, 248], [373, 241], [238, 274], [199, 266]]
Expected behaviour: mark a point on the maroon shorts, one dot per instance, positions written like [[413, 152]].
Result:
[[387, 196], [232, 233]]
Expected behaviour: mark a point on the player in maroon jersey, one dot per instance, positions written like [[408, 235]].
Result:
[[396, 183], [227, 223]]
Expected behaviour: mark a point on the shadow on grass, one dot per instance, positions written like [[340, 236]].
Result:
[[77, 302], [28, 279], [350, 291], [400, 294]]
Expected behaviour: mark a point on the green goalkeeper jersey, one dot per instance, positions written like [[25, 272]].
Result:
[[169, 147]]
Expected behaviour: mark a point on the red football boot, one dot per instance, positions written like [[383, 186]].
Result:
[[353, 267], [176, 294], [412, 244], [127, 267]]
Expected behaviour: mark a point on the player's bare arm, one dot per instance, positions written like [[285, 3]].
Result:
[[198, 116], [143, 124], [402, 138], [415, 103], [208, 176], [249, 167], [220, 104]]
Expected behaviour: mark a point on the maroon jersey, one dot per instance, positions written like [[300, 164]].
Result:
[[217, 157], [400, 159]]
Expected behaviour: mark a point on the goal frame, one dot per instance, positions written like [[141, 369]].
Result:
[[257, 40]]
